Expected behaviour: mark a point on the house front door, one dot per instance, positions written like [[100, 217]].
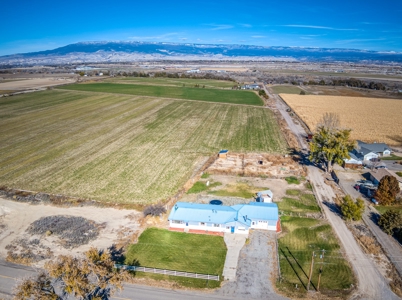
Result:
[[232, 229]]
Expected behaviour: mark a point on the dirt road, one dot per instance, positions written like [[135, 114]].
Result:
[[370, 216], [371, 284]]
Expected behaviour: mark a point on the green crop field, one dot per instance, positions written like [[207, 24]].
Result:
[[121, 148], [286, 89], [187, 93], [160, 81], [301, 237]]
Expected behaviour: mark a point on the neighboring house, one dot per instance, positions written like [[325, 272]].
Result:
[[377, 175], [265, 196], [250, 87], [353, 162], [218, 219], [365, 153], [380, 149]]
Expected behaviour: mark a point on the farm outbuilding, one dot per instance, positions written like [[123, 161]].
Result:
[[223, 153], [218, 219], [265, 196]]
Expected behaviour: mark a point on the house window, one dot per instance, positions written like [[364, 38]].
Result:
[[177, 222], [227, 227], [202, 223], [217, 225]]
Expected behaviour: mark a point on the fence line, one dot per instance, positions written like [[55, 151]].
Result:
[[168, 272]]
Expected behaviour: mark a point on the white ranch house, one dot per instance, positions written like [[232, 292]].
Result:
[[218, 219]]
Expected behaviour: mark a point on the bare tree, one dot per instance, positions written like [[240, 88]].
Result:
[[330, 121], [36, 288]]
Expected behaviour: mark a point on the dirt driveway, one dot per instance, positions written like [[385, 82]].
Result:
[[256, 269]]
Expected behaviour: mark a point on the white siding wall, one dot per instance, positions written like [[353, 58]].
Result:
[[209, 227], [370, 156]]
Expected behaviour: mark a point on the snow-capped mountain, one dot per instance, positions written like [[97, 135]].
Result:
[[122, 51]]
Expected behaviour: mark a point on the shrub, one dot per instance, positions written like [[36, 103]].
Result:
[[154, 210], [352, 210], [389, 221], [205, 175]]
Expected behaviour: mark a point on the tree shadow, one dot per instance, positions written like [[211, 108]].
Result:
[[294, 270], [301, 268], [374, 217], [333, 207], [117, 254]]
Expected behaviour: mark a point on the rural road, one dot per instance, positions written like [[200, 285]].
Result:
[[371, 283], [388, 243], [10, 272]]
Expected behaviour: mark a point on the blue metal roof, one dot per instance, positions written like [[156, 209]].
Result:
[[208, 213], [223, 151], [243, 213]]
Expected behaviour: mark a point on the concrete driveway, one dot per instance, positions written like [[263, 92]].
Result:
[[234, 243]]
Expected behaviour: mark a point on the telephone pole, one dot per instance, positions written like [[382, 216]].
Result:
[[311, 272], [319, 279]]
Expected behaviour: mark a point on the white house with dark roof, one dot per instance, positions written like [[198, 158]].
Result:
[[365, 152], [218, 219]]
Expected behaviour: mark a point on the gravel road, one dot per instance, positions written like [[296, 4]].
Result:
[[370, 216], [255, 269], [371, 284]]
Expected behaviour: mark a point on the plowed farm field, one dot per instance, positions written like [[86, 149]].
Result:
[[371, 119], [121, 148]]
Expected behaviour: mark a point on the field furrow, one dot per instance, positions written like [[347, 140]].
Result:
[[120, 148]]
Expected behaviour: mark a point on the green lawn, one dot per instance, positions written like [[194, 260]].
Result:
[[119, 148], [189, 82], [302, 237], [298, 203], [382, 209], [187, 93], [163, 249], [292, 180], [391, 157], [286, 89]]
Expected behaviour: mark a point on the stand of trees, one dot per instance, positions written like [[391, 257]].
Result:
[[93, 277]]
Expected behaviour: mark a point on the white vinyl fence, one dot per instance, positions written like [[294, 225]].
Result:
[[167, 272]]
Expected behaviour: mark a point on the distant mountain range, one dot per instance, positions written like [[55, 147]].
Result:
[[117, 51]]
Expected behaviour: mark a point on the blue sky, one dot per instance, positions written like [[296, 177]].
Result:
[[29, 26]]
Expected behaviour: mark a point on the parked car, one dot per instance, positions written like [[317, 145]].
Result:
[[374, 201]]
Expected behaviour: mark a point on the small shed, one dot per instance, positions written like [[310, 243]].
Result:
[[265, 196], [223, 154]]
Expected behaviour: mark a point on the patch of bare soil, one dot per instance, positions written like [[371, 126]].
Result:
[[254, 164], [31, 233]]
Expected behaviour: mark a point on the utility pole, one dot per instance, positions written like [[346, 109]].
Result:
[[319, 279], [311, 272]]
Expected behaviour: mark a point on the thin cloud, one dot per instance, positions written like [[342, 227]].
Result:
[[258, 36], [358, 41], [220, 26], [320, 27], [246, 25]]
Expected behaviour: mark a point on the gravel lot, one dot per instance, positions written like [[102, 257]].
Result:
[[256, 269]]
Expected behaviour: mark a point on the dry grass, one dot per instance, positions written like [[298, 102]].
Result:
[[371, 119]]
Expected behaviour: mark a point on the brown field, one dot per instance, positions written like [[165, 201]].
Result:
[[371, 119]]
